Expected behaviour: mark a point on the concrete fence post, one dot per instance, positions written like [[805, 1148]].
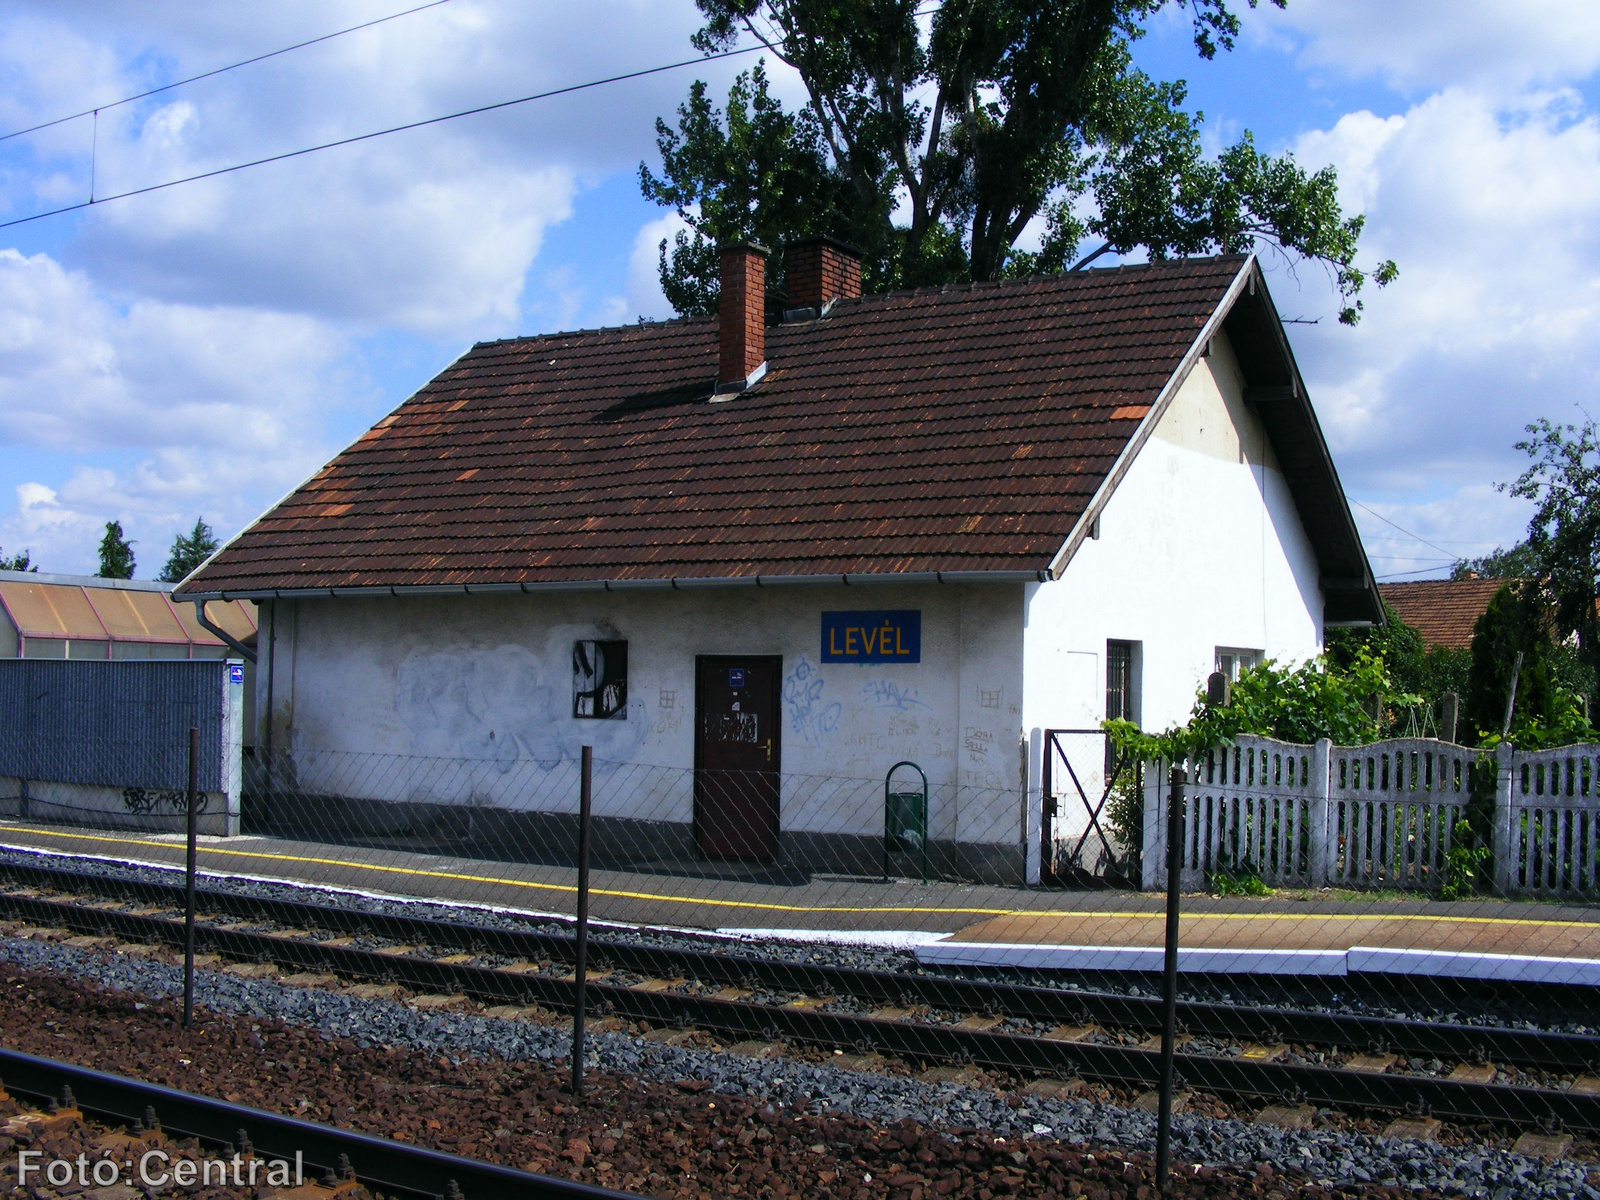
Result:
[[1323, 849], [1153, 845], [1506, 866]]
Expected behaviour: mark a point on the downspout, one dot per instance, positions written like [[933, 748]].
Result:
[[218, 632]]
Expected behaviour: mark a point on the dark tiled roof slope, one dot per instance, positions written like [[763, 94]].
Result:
[[957, 429], [1443, 611]]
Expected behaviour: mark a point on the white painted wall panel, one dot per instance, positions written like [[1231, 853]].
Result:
[[1199, 547], [487, 681]]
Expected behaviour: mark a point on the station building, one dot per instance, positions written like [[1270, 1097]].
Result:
[[755, 559]]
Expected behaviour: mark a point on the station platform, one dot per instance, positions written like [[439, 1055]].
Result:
[[951, 924]]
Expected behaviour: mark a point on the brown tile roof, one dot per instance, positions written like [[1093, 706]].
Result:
[[956, 429], [1443, 611]]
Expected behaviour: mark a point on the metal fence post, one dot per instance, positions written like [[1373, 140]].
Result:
[[188, 878], [1322, 852], [580, 977], [1169, 997], [1506, 867]]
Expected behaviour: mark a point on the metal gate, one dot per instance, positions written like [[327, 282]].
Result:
[[1078, 845]]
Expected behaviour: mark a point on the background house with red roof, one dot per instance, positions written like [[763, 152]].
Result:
[[756, 562], [1443, 611]]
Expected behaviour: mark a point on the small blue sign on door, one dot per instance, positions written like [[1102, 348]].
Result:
[[880, 636], [235, 674], [736, 677]]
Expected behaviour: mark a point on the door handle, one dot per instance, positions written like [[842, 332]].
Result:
[[769, 749]]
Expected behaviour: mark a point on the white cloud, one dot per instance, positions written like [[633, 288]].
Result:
[[1497, 44], [431, 231], [1493, 213], [214, 410], [645, 297]]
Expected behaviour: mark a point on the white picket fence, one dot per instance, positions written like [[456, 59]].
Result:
[[1381, 815]]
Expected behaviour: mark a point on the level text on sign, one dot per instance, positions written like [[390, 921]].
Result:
[[875, 636]]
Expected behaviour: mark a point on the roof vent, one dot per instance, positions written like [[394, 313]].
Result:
[[742, 310], [818, 271]]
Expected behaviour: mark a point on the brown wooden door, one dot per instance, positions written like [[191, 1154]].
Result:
[[736, 757]]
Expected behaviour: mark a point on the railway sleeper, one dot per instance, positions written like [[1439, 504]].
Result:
[[1417, 1039], [1121, 1066]]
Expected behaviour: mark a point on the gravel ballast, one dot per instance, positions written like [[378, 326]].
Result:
[[376, 1031], [1400, 999]]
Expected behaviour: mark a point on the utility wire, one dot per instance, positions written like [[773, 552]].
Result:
[[377, 133], [1403, 574], [167, 87], [1386, 521]]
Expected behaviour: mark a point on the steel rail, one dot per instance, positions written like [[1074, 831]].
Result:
[[1521, 1047], [1119, 1065], [384, 1163]]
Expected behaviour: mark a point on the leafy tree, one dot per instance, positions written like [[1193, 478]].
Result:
[[189, 551], [1546, 713], [1413, 665], [1563, 544], [116, 553], [933, 144], [1518, 562], [17, 562]]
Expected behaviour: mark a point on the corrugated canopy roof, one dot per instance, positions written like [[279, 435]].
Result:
[[960, 429], [82, 611]]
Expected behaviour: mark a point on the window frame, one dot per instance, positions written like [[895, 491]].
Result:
[[607, 699]]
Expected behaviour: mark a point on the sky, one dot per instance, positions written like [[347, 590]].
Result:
[[199, 351]]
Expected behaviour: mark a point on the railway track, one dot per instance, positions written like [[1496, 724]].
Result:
[[394, 1168], [912, 1017]]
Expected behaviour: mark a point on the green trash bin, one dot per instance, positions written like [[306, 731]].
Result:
[[905, 819]]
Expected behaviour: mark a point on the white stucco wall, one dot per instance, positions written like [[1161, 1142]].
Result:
[[1200, 547], [482, 687]]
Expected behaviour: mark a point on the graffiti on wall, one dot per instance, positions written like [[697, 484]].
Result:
[[810, 717], [144, 801], [886, 693], [508, 705]]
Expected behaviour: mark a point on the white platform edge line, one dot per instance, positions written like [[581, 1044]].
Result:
[[1515, 968], [1207, 960]]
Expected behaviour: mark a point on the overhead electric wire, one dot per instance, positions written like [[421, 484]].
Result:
[[377, 133], [167, 87], [1407, 532], [1403, 574]]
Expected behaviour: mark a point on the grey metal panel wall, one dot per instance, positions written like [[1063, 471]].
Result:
[[121, 724]]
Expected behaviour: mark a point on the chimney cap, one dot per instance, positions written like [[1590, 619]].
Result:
[[826, 239], [747, 245]]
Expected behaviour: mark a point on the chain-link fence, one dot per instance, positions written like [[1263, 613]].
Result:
[[1399, 888]]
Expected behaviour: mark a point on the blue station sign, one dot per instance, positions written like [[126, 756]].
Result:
[[882, 636]]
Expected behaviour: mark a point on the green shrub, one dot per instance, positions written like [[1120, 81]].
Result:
[[1242, 882], [1462, 864], [1352, 706]]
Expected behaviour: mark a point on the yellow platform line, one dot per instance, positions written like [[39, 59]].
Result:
[[713, 902]]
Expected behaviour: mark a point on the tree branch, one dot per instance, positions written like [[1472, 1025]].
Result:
[[1089, 258]]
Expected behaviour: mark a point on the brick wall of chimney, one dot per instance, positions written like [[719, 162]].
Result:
[[742, 311], [819, 269]]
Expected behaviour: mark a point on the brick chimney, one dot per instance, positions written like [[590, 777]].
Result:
[[817, 271], [742, 310]]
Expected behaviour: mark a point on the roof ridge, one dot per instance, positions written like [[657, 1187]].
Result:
[[560, 333]]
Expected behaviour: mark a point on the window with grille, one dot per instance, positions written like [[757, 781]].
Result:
[[1119, 681], [1122, 688], [600, 679]]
